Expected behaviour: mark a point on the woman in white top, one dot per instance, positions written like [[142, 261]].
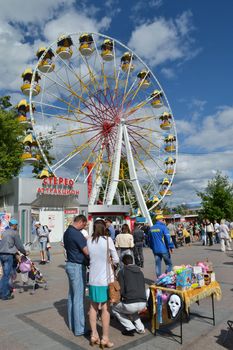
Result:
[[224, 236], [100, 275], [124, 241]]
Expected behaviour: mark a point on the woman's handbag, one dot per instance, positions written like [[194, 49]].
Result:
[[48, 245], [114, 287]]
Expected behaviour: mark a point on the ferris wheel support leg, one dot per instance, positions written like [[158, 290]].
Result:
[[115, 168], [134, 178], [98, 181]]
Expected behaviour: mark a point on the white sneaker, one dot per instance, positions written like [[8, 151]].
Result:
[[229, 248], [140, 331]]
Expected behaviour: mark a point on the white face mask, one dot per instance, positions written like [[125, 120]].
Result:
[[174, 304]]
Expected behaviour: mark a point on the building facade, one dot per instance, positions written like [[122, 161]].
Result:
[[52, 201]]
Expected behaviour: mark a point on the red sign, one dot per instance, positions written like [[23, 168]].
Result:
[[58, 181], [58, 185], [71, 211]]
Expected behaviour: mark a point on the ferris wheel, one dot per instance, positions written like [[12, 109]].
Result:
[[106, 118]]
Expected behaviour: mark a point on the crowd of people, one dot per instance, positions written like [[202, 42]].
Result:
[[206, 232], [105, 255]]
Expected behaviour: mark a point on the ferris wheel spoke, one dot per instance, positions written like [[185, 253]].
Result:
[[145, 152], [146, 169], [102, 112], [91, 74], [141, 127], [142, 137], [117, 73], [48, 105], [90, 159], [101, 65], [137, 107], [127, 80], [73, 153], [69, 133]]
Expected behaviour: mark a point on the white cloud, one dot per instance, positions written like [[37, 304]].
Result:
[[163, 40], [28, 19], [168, 73], [213, 133], [194, 172], [15, 58], [24, 11], [72, 22], [211, 137]]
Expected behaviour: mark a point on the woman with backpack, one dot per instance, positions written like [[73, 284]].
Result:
[[43, 236]]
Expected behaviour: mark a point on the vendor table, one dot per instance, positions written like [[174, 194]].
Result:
[[189, 296]]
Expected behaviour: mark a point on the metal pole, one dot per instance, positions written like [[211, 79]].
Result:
[[212, 297]]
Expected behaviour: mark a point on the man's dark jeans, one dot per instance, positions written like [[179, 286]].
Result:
[[7, 265]]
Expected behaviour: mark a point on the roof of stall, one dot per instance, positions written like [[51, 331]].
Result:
[[55, 201]]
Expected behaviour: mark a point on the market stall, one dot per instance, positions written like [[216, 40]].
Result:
[[173, 294]]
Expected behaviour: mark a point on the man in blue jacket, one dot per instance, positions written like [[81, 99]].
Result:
[[161, 245]]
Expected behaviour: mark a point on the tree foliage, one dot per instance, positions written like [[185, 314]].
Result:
[[10, 147], [40, 164], [217, 199]]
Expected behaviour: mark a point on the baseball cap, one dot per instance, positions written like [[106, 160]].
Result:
[[13, 222], [37, 223], [159, 217]]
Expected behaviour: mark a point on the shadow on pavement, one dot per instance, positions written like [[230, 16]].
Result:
[[61, 266], [61, 307], [228, 263], [225, 339]]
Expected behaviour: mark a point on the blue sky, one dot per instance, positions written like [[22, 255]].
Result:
[[186, 43]]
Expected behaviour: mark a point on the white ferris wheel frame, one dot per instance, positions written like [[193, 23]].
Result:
[[122, 135]]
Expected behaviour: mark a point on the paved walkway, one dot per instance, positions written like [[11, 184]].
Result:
[[38, 322]]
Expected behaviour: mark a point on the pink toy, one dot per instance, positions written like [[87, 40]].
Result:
[[204, 267], [165, 297]]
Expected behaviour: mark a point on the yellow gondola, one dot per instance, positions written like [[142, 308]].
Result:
[[169, 162], [30, 153], [107, 50], [64, 49], [165, 121], [127, 62], [86, 44], [165, 182], [45, 65], [27, 78], [156, 99], [30, 140], [170, 145], [155, 199], [22, 108], [44, 174], [166, 192], [144, 79]]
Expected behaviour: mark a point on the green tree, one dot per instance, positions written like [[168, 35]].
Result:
[[40, 164], [217, 199], [180, 209], [11, 148]]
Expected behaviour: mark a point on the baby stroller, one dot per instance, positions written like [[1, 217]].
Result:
[[29, 271]]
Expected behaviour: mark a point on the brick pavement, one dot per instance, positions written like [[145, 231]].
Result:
[[39, 321]]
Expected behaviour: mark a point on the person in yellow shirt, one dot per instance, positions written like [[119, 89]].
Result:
[[186, 235]]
